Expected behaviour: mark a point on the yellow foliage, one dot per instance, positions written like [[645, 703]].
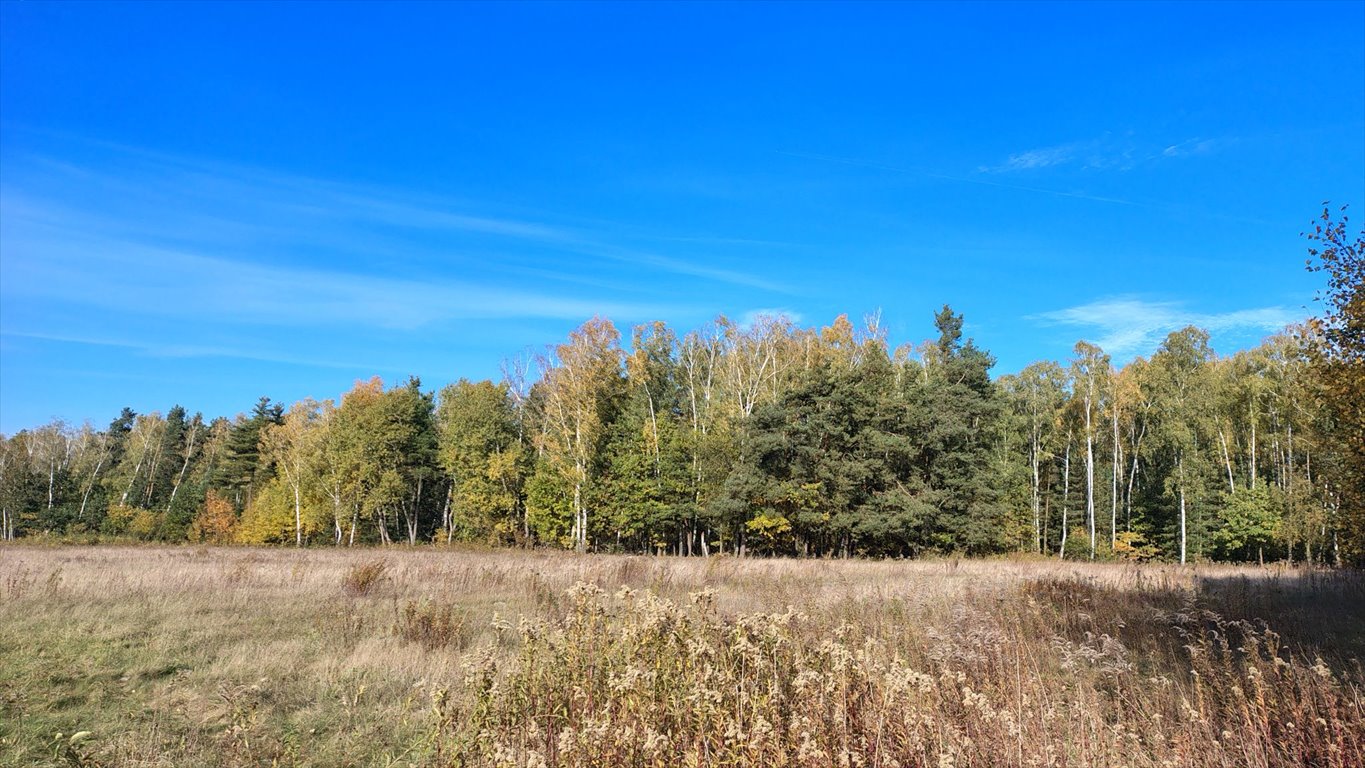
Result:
[[769, 528], [134, 521], [215, 522], [270, 516], [119, 517], [1131, 545], [144, 524]]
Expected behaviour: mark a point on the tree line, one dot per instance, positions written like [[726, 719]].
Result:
[[766, 438]]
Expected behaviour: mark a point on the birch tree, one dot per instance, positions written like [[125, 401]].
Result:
[[1180, 363], [1089, 374], [1039, 393], [579, 379], [293, 447]]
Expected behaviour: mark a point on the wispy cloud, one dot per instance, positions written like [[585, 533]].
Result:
[[1127, 326], [975, 180], [1191, 147], [140, 199], [686, 267], [119, 275], [752, 316], [1108, 152], [200, 351], [1038, 158]]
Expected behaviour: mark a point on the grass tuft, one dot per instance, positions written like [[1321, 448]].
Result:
[[365, 578], [432, 625]]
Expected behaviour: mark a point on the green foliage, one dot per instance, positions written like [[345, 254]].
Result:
[[953, 417], [242, 470], [482, 456], [762, 437], [549, 505], [1251, 522]]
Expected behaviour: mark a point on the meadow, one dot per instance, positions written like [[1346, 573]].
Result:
[[177, 656]]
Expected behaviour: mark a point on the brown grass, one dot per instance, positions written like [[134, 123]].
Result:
[[235, 657], [364, 578]]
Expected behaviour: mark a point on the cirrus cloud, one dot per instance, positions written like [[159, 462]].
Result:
[[1126, 326]]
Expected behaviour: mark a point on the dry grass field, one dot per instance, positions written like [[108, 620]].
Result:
[[257, 657]]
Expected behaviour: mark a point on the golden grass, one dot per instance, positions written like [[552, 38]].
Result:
[[234, 657]]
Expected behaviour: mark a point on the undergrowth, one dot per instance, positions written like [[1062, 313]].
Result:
[[238, 657]]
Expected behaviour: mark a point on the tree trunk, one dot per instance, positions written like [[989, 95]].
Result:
[[1128, 500], [1114, 483], [1132, 477], [180, 477], [446, 521], [339, 534], [137, 470], [384, 528], [580, 538], [1181, 462], [1066, 496], [85, 497], [151, 471], [1037, 507], [1227, 459], [414, 520], [298, 517], [1089, 480]]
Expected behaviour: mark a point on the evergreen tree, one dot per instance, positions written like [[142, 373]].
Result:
[[242, 470], [954, 412]]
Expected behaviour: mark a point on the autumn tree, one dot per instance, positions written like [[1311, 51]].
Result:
[[709, 435], [293, 447], [1340, 364], [216, 522], [383, 444]]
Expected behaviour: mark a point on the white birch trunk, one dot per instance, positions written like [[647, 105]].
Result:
[[1066, 496], [1181, 462]]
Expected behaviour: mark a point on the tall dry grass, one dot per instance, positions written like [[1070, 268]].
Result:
[[227, 657]]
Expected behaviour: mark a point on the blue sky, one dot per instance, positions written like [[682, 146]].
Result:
[[202, 204]]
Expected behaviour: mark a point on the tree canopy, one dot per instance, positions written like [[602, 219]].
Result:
[[768, 438]]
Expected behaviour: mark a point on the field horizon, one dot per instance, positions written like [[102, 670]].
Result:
[[161, 655]]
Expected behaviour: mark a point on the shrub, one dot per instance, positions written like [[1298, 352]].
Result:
[[365, 578], [645, 681], [216, 522], [432, 625]]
